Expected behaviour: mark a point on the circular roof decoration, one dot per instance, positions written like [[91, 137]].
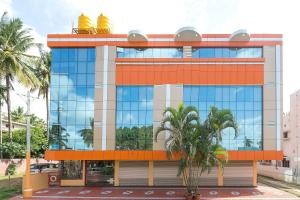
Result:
[[241, 35], [187, 34], [137, 36]]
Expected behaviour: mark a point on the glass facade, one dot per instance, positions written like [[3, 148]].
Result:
[[245, 102], [134, 118], [149, 52], [255, 52], [72, 98]]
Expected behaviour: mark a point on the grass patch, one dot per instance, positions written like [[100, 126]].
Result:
[[8, 192], [13, 176]]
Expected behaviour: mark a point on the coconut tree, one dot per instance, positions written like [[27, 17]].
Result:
[[219, 120], [43, 74], [2, 99], [18, 115], [15, 63]]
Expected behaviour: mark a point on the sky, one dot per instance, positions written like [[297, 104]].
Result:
[[167, 16]]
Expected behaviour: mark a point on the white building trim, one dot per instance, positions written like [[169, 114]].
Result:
[[153, 39], [278, 95], [104, 106], [168, 104]]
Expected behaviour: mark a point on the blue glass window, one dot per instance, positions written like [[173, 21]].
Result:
[[149, 52], [134, 117], [72, 98], [245, 102], [225, 52]]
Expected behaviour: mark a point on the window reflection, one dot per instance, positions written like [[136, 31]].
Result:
[[249, 52], [134, 117], [149, 52], [72, 98], [245, 102]]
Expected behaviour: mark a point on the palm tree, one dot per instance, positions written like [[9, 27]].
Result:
[[219, 120], [43, 74], [87, 134], [2, 97], [180, 124], [194, 142], [15, 41], [18, 115]]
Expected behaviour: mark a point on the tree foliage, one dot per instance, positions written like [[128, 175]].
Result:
[[197, 144], [18, 115], [15, 62], [134, 138], [12, 150], [39, 141]]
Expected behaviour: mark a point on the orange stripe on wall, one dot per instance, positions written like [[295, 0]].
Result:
[[250, 74], [160, 44], [152, 155]]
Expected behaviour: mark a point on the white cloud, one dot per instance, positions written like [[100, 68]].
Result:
[[156, 16], [5, 6]]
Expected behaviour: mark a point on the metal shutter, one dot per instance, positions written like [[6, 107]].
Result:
[[238, 173], [165, 174], [210, 179], [133, 173]]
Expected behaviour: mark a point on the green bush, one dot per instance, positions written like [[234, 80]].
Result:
[[39, 141], [12, 150]]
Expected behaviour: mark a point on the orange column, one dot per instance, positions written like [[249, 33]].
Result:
[[117, 168], [27, 189], [220, 176], [150, 173], [254, 179]]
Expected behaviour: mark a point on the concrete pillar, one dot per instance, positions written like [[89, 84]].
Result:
[[150, 173], [220, 176], [117, 168], [254, 183]]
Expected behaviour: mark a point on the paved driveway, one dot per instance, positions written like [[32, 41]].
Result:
[[154, 193]]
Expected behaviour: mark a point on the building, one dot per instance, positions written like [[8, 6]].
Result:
[[288, 168], [108, 92]]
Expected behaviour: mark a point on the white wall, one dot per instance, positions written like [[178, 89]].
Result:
[[279, 173]]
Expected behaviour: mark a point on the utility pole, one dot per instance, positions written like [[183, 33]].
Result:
[[27, 191]]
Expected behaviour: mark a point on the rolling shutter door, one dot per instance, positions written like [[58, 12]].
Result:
[[133, 173], [165, 174], [210, 179], [238, 173]]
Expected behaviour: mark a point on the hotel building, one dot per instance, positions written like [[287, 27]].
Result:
[[108, 93]]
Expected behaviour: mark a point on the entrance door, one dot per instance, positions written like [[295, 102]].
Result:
[[99, 173]]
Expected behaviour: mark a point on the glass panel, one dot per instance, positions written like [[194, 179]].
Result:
[[72, 107], [134, 117], [226, 52], [149, 52], [245, 103]]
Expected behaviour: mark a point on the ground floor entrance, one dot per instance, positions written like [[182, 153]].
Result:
[[99, 173], [152, 173]]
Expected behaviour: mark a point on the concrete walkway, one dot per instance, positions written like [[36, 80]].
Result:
[[281, 185]]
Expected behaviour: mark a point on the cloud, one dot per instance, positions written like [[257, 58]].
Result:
[[156, 16], [5, 6]]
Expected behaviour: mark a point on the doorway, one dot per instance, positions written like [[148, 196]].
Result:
[[99, 173]]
